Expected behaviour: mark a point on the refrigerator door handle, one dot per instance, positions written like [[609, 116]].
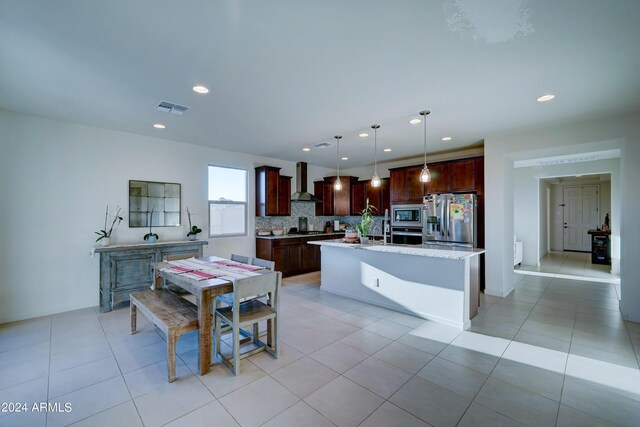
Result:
[[448, 219]]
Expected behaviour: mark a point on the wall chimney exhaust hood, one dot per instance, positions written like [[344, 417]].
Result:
[[301, 194]]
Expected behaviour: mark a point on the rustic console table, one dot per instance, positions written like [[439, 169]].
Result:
[[128, 268]]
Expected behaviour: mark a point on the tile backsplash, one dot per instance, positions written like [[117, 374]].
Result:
[[301, 209]]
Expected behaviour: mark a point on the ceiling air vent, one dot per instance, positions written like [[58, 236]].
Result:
[[172, 108], [323, 145]]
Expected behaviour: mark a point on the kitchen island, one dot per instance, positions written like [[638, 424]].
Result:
[[438, 283]]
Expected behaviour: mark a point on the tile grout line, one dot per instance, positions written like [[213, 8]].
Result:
[[566, 363], [119, 369]]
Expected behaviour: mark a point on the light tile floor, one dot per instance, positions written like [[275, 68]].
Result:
[[555, 352], [570, 265]]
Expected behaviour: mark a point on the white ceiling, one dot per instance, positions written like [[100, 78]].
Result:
[[289, 74]]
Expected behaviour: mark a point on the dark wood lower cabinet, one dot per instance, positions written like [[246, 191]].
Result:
[[292, 255]]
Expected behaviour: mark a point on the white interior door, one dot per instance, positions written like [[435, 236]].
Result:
[[580, 215]]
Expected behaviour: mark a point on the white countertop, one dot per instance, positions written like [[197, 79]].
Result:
[[293, 236], [432, 251]]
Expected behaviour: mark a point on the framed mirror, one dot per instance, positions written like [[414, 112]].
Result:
[[158, 202]]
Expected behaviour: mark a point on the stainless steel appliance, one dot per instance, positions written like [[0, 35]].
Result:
[[302, 224], [406, 216], [406, 235], [449, 219]]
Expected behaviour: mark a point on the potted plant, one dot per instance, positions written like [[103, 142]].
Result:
[[151, 237], [193, 229], [104, 234], [366, 221]]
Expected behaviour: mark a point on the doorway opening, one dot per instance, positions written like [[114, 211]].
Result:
[[573, 206]]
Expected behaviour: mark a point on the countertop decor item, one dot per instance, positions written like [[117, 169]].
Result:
[[350, 235], [193, 229], [104, 235], [366, 221], [151, 237]]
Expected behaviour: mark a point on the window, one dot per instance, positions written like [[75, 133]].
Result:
[[227, 201]]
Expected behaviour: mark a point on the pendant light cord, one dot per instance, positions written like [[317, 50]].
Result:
[[375, 148], [375, 151], [424, 119], [337, 137]]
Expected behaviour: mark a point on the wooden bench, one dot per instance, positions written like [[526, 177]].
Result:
[[172, 314]]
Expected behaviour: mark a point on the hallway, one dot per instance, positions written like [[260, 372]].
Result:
[[570, 265]]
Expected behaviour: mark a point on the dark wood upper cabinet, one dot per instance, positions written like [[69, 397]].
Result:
[[267, 185], [440, 179], [398, 178], [318, 191], [463, 175], [405, 185], [456, 176], [284, 196], [273, 192], [379, 197], [327, 198], [413, 185], [358, 190], [336, 203]]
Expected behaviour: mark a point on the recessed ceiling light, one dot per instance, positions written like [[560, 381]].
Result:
[[415, 121], [306, 149], [447, 138], [159, 126], [200, 89], [387, 149], [545, 98], [344, 158], [363, 135]]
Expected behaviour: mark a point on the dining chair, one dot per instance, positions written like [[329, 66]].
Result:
[[258, 262], [265, 263], [240, 258], [249, 313]]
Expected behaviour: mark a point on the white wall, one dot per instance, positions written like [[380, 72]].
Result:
[[55, 180], [618, 132], [542, 214], [530, 210]]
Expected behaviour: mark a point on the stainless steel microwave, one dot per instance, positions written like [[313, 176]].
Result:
[[406, 215]]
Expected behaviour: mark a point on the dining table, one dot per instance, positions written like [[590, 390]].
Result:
[[192, 275]]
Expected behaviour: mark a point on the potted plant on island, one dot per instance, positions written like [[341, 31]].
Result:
[[151, 237], [104, 234], [193, 229], [366, 221]]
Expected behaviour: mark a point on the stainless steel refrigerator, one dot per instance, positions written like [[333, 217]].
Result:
[[449, 219]]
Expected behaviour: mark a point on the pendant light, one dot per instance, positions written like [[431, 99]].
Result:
[[338, 184], [375, 179], [425, 175]]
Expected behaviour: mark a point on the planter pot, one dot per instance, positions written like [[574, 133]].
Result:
[[105, 241], [192, 236], [351, 235]]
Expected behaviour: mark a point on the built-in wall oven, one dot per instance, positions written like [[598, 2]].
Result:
[[406, 224], [406, 235]]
